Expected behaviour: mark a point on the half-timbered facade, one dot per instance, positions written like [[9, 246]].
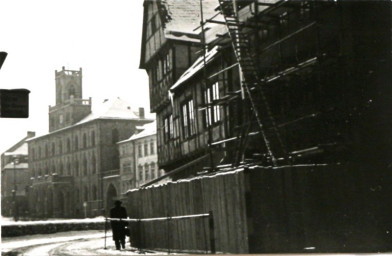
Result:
[[272, 82]]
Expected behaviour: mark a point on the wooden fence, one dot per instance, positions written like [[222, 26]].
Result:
[[223, 194], [290, 209]]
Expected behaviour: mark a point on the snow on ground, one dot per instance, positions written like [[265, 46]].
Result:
[[10, 221], [90, 242]]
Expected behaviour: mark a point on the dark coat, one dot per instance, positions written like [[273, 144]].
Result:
[[118, 227]]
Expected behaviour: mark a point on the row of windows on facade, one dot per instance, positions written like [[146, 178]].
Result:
[[148, 172], [211, 115], [50, 150], [149, 149], [83, 168]]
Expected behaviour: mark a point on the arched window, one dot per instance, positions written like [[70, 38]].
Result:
[[147, 171], [53, 149], [95, 194], [114, 136], [84, 140], [68, 145], [76, 168], [140, 170], [93, 138], [84, 166], [77, 195], [60, 146], [152, 168], [71, 91], [93, 164], [68, 168], [76, 142], [61, 168], [85, 194]]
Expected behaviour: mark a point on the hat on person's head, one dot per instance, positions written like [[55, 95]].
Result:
[[117, 203]]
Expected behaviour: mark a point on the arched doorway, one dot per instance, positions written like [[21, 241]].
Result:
[[111, 195], [61, 204], [49, 203]]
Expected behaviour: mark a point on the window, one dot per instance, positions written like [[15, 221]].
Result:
[[53, 149], [85, 194], [95, 194], [147, 171], [140, 153], [84, 140], [61, 168], [127, 168], [152, 168], [168, 127], [93, 138], [46, 150], [76, 142], [61, 119], [140, 170], [93, 164], [212, 113], [188, 119], [76, 168], [153, 24], [60, 147], [68, 145], [152, 150], [146, 149], [85, 166], [114, 136]]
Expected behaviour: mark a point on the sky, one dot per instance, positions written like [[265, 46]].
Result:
[[100, 36]]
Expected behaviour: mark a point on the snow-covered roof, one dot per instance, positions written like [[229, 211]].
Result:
[[111, 109], [147, 130], [108, 109], [21, 150], [196, 66]]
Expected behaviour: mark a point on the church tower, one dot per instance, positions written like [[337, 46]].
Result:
[[70, 106]]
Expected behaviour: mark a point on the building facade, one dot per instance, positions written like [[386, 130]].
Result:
[[139, 158], [268, 82], [15, 179], [69, 165]]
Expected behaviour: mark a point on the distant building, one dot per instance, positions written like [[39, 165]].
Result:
[[69, 165], [15, 179], [138, 158]]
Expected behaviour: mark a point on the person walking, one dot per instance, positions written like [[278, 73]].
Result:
[[118, 227]]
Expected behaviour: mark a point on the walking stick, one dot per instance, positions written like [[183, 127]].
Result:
[[106, 220]]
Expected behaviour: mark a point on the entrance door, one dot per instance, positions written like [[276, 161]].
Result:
[[111, 196]]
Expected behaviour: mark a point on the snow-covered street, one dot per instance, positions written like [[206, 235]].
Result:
[[65, 244]]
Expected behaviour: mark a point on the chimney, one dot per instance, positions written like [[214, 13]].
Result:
[[30, 134], [141, 112]]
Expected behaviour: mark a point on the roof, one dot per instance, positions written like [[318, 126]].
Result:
[[111, 109], [196, 66], [182, 18], [115, 109], [181, 21], [147, 130], [21, 150]]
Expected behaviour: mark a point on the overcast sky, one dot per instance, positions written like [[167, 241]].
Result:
[[103, 37]]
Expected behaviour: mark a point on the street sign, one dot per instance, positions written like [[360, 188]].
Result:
[[14, 103]]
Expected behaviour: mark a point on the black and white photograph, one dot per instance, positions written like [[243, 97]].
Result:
[[157, 127]]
